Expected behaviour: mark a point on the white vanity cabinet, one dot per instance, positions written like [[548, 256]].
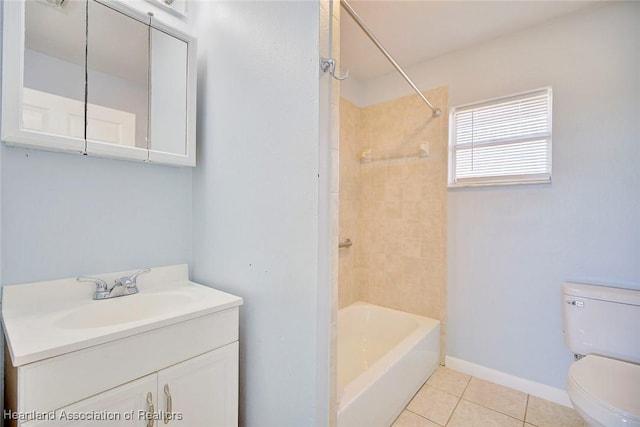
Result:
[[196, 360], [100, 78], [202, 391], [123, 402], [167, 355]]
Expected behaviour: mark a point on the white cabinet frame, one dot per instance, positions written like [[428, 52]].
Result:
[[13, 38], [12, 131]]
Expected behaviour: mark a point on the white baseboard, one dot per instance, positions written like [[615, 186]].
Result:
[[521, 384]]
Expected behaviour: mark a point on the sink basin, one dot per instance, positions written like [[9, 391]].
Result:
[[55, 317], [130, 308]]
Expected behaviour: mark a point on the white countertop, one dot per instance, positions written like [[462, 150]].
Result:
[[45, 319]]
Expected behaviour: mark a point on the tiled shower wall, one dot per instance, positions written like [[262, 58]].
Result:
[[331, 18], [394, 211], [350, 279]]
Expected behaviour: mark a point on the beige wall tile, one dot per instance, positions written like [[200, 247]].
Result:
[[348, 186], [396, 208], [335, 156]]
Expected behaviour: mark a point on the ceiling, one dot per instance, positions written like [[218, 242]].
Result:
[[415, 31]]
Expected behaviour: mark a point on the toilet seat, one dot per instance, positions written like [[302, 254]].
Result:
[[606, 390]]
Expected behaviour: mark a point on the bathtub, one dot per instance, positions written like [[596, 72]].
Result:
[[384, 356]]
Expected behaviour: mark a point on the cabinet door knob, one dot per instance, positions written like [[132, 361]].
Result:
[[167, 415], [150, 409]]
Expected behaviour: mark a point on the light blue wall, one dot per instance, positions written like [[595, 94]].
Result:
[[256, 204], [66, 214], [251, 216], [510, 248]]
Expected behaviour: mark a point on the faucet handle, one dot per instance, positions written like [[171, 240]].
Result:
[[131, 280], [101, 285]]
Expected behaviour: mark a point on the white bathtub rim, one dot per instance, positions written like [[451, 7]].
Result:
[[360, 384]]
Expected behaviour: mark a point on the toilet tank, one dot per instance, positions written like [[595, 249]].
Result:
[[601, 320]]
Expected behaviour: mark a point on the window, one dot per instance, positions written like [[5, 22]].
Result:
[[502, 141]]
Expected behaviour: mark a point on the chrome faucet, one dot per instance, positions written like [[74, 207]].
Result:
[[123, 286]]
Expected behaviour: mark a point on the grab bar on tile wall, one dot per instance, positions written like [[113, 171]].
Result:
[[423, 151], [346, 244], [436, 111]]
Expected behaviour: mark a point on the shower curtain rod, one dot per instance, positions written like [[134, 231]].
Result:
[[436, 111]]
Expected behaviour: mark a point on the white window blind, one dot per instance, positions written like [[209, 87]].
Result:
[[502, 141]]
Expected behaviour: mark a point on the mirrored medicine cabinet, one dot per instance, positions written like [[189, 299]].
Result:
[[97, 77]]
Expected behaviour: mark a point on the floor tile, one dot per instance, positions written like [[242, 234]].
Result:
[[433, 404], [468, 414], [543, 413], [497, 397], [449, 380], [409, 419]]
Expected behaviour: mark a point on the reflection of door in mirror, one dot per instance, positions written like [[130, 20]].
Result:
[[118, 78], [54, 60], [168, 93]]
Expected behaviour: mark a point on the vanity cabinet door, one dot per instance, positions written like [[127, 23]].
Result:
[[203, 390], [123, 406]]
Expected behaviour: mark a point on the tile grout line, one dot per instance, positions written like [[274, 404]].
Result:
[[406, 408], [421, 416], [496, 410], [459, 400], [461, 397], [454, 410], [429, 419]]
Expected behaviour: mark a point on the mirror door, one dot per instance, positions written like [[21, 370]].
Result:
[[168, 94], [53, 84], [117, 83]]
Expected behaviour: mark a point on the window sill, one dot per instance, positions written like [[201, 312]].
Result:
[[491, 183]]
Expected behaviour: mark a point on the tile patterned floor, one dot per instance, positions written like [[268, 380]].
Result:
[[452, 399]]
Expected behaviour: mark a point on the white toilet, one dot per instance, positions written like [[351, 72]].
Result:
[[603, 325]]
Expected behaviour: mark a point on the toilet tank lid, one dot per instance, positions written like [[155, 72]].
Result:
[[604, 293]]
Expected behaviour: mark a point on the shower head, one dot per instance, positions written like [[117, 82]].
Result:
[[437, 113]]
